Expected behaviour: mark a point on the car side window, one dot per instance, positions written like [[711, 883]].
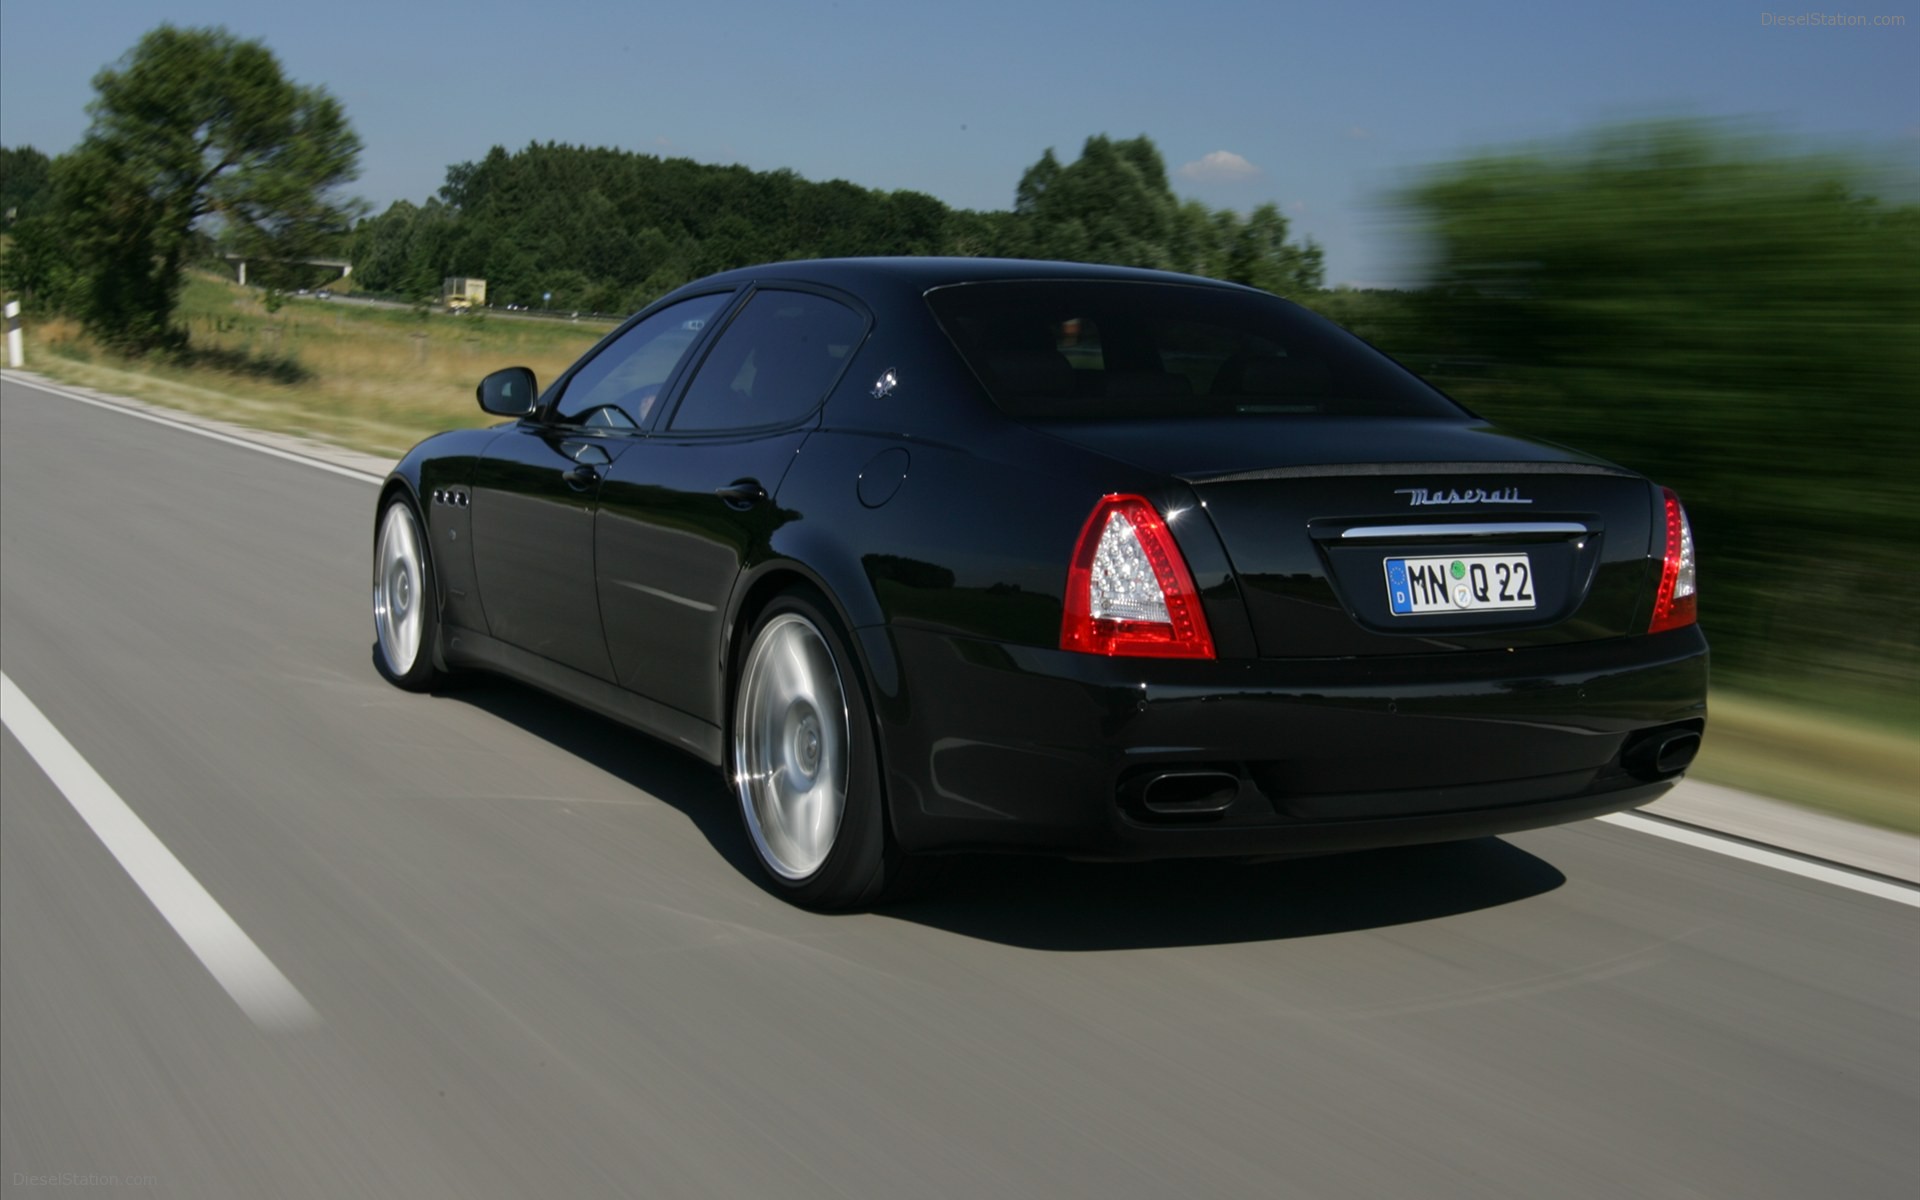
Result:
[[620, 386], [773, 364]]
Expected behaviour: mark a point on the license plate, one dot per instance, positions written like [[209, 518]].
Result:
[[1467, 583]]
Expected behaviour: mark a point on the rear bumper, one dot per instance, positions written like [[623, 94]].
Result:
[[991, 746]]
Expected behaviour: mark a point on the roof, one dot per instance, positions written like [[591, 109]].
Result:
[[920, 274]]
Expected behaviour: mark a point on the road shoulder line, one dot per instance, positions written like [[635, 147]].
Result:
[[1763, 821], [232, 435], [1791, 863]]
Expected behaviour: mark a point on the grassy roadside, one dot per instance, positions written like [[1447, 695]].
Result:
[[373, 379], [1844, 765], [378, 380]]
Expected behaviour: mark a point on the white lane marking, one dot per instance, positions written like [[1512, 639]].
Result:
[[1837, 876], [214, 434], [1691, 837], [239, 966]]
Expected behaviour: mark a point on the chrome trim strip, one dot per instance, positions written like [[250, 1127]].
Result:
[[1468, 529], [696, 605], [1336, 470]]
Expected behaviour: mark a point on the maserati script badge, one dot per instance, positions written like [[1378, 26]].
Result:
[[1419, 496]]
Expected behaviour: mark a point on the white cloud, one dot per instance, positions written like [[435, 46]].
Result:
[[1221, 166]]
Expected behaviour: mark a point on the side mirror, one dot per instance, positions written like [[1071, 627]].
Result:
[[509, 392]]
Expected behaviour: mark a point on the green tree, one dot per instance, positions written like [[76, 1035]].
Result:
[[1256, 252], [196, 125], [1114, 204], [26, 178], [36, 264]]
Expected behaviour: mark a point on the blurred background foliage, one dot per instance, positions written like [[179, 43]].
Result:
[[1740, 322]]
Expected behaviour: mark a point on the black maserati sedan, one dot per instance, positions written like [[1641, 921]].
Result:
[[931, 555]]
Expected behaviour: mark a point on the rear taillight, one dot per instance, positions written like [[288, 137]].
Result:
[[1674, 606], [1128, 590]]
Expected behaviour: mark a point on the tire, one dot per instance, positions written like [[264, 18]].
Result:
[[406, 619], [805, 770]]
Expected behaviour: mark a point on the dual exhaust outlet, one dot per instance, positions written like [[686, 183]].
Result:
[[1182, 792], [1177, 792], [1662, 751]]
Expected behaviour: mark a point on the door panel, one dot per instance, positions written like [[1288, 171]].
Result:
[[533, 497], [669, 546]]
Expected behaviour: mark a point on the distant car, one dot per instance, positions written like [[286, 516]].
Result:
[[323, 294], [931, 555]]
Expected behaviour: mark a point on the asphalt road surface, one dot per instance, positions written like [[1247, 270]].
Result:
[[520, 951]]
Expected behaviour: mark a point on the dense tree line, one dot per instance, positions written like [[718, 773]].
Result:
[[102, 231], [610, 230]]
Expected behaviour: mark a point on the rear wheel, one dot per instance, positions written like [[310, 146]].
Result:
[[804, 766], [404, 621]]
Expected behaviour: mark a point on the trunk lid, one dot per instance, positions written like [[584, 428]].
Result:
[[1314, 513]]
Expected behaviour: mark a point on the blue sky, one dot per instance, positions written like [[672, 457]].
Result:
[[1322, 108]]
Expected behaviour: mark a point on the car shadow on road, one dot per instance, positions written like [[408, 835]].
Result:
[[1057, 904], [1046, 903]]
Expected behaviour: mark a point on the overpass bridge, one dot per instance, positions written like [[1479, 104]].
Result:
[[341, 265]]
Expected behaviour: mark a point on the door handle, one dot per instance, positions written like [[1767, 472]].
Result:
[[581, 477], [742, 494]]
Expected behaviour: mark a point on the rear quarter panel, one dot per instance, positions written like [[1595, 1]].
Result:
[[976, 536]]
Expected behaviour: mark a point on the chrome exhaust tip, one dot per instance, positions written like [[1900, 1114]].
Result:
[[1188, 793]]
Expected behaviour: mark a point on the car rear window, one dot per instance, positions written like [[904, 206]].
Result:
[[1104, 349]]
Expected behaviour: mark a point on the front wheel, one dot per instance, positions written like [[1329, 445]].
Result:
[[404, 620], [804, 765]]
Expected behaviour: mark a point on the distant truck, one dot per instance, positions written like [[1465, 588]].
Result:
[[459, 293]]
